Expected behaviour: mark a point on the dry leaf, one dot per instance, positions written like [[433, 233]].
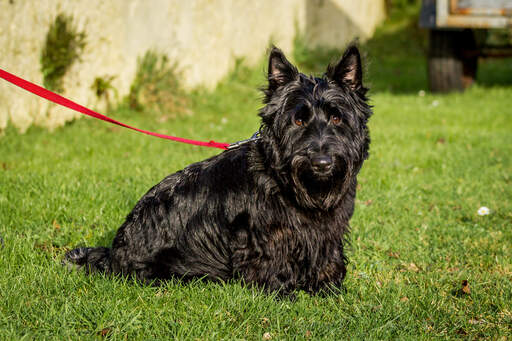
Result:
[[265, 321], [393, 254], [404, 299], [465, 287], [104, 332], [368, 202], [308, 334], [56, 224], [413, 267], [267, 336]]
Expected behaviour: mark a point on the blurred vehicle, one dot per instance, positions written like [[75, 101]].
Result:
[[460, 32]]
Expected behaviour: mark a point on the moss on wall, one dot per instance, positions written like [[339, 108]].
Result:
[[156, 85], [63, 46]]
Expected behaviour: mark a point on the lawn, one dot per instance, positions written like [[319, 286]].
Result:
[[416, 235]]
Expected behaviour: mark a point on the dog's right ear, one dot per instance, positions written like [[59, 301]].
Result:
[[348, 71], [280, 70]]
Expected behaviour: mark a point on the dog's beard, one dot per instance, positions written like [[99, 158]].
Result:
[[318, 190]]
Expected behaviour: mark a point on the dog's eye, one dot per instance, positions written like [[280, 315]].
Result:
[[301, 115], [335, 119]]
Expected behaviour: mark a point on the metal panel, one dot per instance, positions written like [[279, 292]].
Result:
[[484, 3], [481, 7], [428, 14], [449, 14]]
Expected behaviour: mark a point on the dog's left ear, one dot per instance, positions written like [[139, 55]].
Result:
[[348, 71], [280, 70]]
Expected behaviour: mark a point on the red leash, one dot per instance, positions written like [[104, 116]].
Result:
[[55, 98]]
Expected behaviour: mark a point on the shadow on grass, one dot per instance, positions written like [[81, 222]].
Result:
[[494, 72]]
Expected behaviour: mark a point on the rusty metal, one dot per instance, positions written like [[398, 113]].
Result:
[[457, 8], [453, 5], [506, 12], [476, 22], [451, 14]]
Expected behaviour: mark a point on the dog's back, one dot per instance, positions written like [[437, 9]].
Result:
[[180, 227]]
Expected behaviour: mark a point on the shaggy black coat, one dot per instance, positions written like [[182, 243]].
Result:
[[274, 211]]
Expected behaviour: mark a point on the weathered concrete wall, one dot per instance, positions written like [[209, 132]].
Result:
[[203, 36], [335, 22]]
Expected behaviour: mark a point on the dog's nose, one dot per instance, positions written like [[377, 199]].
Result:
[[321, 163]]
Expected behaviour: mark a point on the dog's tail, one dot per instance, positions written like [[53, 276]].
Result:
[[92, 259]]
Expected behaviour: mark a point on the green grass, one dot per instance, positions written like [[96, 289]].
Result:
[[415, 235]]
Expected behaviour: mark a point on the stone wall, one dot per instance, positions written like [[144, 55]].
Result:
[[204, 37]]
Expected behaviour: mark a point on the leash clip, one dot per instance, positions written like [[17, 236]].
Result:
[[254, 137]]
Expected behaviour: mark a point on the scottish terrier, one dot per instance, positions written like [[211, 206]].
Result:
[[273, 211]]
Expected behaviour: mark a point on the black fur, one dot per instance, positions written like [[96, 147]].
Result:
[[273, 212]]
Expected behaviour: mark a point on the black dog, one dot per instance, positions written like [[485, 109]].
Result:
[[273, 211]]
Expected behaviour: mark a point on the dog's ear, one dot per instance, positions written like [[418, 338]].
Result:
[[280, 70], [348, 71]]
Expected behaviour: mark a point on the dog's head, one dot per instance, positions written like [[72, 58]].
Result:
[[314, 129]]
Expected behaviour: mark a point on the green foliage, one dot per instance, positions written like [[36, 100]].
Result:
[[63, 46], [104, 90], [399, 6], [498, 37], [156, 86], [102, 85]]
